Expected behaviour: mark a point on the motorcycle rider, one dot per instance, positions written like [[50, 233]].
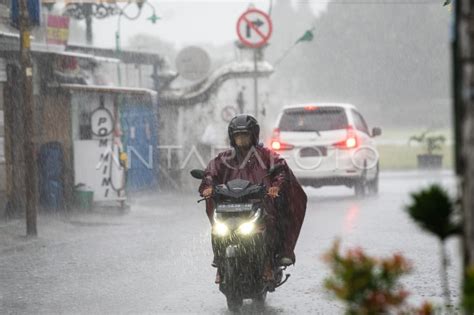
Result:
[[250, 160]]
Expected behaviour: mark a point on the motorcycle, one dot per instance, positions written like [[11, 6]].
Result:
[[239, 237]]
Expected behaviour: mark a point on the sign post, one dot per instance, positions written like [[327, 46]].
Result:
[[254, 28], [228, 113]]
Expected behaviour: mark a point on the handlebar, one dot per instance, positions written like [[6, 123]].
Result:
[[202, 199], [213, 193]]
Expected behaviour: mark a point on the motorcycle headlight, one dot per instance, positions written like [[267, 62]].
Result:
[[221, 229], [246, 228]]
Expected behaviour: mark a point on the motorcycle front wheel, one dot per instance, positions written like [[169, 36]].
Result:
[[259, 301], [234, 303], [233, 296]]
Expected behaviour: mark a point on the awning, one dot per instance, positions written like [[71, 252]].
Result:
[[10, 46], [81, 88], [126, 56]]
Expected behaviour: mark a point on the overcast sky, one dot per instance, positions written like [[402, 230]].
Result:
[[186, 22]]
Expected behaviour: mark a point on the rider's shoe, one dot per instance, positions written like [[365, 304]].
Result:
[[267, 274], [286, 261]]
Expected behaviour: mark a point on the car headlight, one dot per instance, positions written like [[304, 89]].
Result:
[[246, 228], [221, 229]]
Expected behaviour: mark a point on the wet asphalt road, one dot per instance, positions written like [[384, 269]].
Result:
[[156, 258]]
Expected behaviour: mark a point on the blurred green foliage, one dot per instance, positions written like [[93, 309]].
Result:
[[434, 210]]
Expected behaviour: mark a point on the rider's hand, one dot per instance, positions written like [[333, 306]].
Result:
[[207, 192], [273, 192]]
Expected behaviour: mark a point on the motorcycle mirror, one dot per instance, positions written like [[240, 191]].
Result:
[[275, 170], [198, 174]]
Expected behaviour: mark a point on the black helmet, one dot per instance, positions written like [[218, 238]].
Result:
[[244, 123]]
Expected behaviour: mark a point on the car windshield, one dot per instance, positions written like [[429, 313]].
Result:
[[319, 119]]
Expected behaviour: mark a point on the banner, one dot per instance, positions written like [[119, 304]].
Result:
[[58, 30], [34, 12]]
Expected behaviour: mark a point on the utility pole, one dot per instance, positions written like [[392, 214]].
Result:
[[27, 104], [88, 20], [463, 53], [255, 81]]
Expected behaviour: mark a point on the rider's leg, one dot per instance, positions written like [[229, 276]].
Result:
[[271, 241], [285, 253]]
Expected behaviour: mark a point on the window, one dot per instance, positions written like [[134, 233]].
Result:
[[359, 122], [85, 128], [318, 119]]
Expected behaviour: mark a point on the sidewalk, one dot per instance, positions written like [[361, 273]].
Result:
[[55, 228], [51, 229], [3, 201], [61, 228], [417, 173]]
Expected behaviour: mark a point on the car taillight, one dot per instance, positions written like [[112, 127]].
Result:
[[276, 144], [350, 142], [310, 108], [281, 146]]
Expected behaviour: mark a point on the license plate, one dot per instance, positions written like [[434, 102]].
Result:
[[234, 207], [313, 152]]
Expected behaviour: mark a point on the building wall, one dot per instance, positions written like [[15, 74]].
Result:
[[200, 130], [168, 136], [55, 125]]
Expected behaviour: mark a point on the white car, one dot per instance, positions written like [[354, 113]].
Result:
[[328, 144]]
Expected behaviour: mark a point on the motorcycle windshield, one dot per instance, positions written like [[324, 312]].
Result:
[[238, 188]]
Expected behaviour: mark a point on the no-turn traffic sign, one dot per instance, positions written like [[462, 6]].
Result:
[[228, 113], [254, 28]]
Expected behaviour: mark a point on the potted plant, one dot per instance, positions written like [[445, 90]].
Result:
[[429, 160]]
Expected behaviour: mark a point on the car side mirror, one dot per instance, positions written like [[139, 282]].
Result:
[[198, 174], [376, 132]]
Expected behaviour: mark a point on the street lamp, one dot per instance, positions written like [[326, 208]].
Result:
[[101, 10], [153, 18], [87, 11]]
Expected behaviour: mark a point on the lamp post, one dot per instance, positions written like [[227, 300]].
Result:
[[101, 10], [88, 11], [153, 18]]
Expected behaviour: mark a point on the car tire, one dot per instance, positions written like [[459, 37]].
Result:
[[373, 185], [360, 188]]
